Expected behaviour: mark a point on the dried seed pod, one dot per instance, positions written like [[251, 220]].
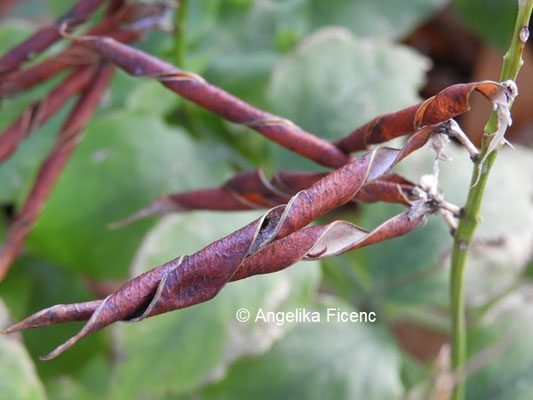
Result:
[[197, 90], [252, 190], [39, 113], [47, 36], [193, 279], [73, 56], [446, 104], [77, 55], [68, 138], [274, 257]]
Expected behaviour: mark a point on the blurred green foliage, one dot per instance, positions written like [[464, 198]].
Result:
[[492, 20], [328, 66]]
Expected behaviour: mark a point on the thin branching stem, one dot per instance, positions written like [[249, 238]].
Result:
[[512, 62]]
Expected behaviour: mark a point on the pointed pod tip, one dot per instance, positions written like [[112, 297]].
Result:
[[124, 222], [11, 329], [158, 207], [60, 349], [118, 224]]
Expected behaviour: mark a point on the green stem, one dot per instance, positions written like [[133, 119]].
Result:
[[512, 61], [180, 44]]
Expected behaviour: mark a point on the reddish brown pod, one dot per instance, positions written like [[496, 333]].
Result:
[[252, 190], [33, 117], [446, 105], [69, 136], [279, 239], [47, 36]]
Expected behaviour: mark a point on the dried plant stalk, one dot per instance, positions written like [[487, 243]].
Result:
[[5, 5], [74, 56], [68, 138], [47, 36], [130, 15], [40, 112]]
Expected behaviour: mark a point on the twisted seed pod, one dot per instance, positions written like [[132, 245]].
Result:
[[272, 258], [447, 104], [252, 190], [66, 142], [47, 36], [197, 90], [73, 56], [193, 279]]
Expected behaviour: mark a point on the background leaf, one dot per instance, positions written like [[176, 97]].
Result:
[[18, 378], [318, 361], [492, 20], [34, 284], [503, 336], [333, 82], [377, 18]]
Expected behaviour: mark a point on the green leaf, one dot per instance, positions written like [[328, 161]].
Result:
[[17, 172], [502, 342], [58, 7], [188, 347], [243, 46], [150, 97], [32, 285], [492, 20], [376, 18], [325, 360], [124, 162], [18, 378], [333, 82]]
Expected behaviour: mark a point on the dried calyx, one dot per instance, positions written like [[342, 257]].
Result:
[[427, 197], [502, 106]]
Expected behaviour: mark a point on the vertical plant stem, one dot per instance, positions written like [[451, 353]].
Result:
[[180, 28], [512, 61]]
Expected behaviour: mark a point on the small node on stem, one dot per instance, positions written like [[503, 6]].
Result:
[[524, 34], [430, 200], [502, 107], [463, 245]]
